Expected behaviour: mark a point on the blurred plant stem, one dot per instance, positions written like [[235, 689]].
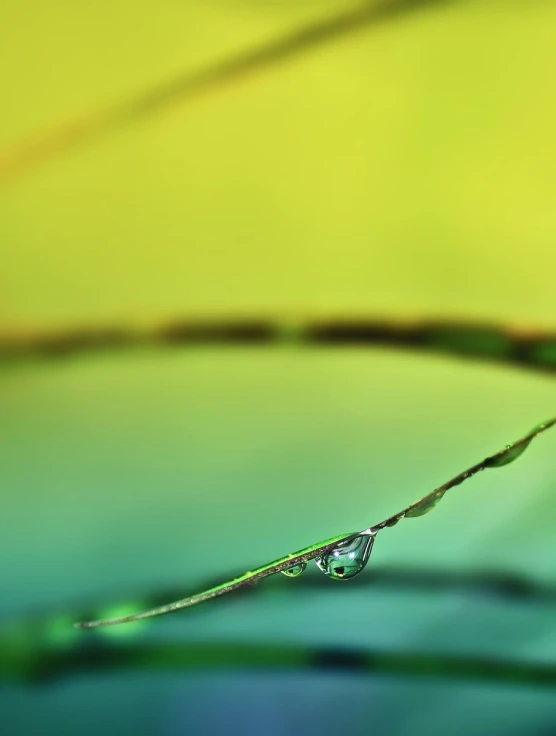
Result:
[[192, 85], [45, 665], [531, 348]]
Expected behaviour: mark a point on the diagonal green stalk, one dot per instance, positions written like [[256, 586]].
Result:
[[418, 508]]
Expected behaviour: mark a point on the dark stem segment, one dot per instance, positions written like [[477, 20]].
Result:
[[533, 349], [500, 458]]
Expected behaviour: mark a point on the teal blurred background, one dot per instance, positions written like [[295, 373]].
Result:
[[403, 168]]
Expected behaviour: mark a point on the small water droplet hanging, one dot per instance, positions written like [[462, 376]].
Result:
[[508, 455], [424, 506], [294, 570], [348, 558], [511, 453]]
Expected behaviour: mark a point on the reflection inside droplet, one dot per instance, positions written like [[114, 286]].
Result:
[[294, 570], [348, 558]]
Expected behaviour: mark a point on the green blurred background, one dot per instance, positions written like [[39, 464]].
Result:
[[403, 168]]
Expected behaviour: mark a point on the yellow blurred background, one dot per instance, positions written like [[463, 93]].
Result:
[[404, 166]]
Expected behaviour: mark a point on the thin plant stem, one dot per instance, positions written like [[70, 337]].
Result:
[[503, 457]]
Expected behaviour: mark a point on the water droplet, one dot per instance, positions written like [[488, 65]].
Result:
[[294, 570], [539, 427], [508, 455], [348, 558], [424, 506], [395, 520]]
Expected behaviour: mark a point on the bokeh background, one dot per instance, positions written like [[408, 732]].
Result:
[[397, 159]]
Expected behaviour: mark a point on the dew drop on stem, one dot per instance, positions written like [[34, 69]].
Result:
[[348, 558]]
